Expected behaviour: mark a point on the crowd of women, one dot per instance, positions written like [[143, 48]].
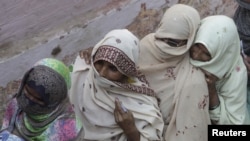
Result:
[[170, 85]]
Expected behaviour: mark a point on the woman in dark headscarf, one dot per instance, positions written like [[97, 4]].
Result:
[[41, 110]]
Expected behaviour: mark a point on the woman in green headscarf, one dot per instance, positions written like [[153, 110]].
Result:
[[41, 110]]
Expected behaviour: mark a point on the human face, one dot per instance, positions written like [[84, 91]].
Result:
[[33, 95], [200, 53], [109, 71]]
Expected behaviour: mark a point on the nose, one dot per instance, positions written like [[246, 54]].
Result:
[[194, 52], [102, 71]]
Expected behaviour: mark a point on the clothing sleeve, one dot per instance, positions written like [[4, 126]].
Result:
[[7, 136], [8, 114], [233, 101], [64, 128]]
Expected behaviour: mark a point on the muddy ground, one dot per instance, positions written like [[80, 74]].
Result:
[[145, 22]]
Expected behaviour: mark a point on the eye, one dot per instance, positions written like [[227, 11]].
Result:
[[173, 42], [99, 62], [32, 95], [208, 54], [113, 68]]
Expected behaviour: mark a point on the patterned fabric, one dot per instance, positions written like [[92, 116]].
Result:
[[181, 87], [219, 35], [50, 86], [94, 96], [7, 136], [53, 121], [57, 66], [64, 128], [118, 58], [124, 65]]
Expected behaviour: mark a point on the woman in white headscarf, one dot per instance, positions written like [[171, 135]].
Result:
[[181, 87], [242, 20], [116, 104], [217, 52]]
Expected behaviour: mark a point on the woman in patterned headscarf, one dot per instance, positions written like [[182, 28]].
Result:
[[217, 51], [111, 97], [41, 109], [181, 87]]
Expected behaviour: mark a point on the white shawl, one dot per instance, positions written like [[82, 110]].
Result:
[[219, 35], [93, 96], [180, 86]]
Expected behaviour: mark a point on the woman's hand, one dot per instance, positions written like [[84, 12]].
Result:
[[211, 79], [124, 118], [86, 54]]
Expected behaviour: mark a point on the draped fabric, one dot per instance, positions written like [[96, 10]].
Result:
[[219, 35], [53, 121], [94, 96], [181, 87], [50, 86], [242, 20]]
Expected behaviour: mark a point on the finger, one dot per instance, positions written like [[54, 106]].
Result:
[[116, 116], [208, 80], [120, 106], [81, 54], [124, 109], [207, 73], [117, 104], [86, 58]]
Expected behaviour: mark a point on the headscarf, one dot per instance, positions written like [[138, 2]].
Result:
[[219, 35], [181, 87], [243, 4], [50, 79], [48, 83], [94, 96], [242, 20]]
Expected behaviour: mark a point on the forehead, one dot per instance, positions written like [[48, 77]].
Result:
[[201, 47], [116, 57]]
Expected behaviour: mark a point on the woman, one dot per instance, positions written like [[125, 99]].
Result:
[[111, 97], [217, 52], [41, 109], [181, 87], [242, 19]]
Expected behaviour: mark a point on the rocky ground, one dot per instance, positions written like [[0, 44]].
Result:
[[145, 22]]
